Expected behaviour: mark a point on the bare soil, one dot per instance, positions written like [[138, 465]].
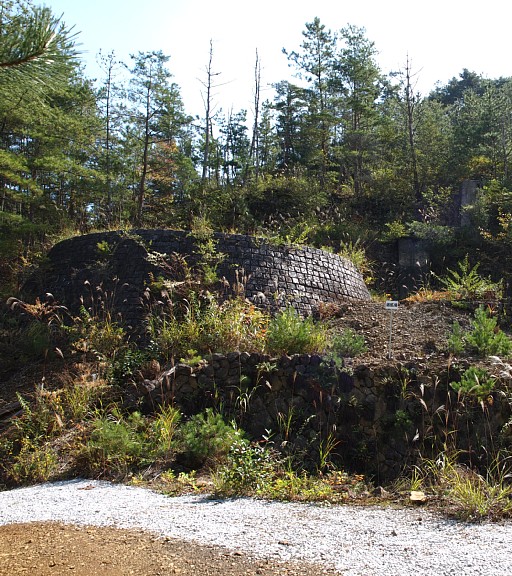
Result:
[[419, 332], [52, 549]]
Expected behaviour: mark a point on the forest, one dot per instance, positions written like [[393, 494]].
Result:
[[347, 156]]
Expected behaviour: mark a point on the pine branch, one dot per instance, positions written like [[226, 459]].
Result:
[[34, 47]]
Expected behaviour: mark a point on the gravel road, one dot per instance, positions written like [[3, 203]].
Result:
[[355, 541]]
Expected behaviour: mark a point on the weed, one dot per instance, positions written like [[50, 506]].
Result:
[[202, 324], [96, 330], [44, 324], [178, 484], [475, 496], [34, 463], [102, 337], [285, 423], [105, 249], [298, 486], [206, 249], [163, 433], [402, 420], [326, 450], [288, 333], [465, 283], [296, 235], [265, 368], [347, 343], [42, 417], [356, 253], [79, 397], [244, 395]]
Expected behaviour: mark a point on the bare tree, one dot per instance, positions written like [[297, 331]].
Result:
[[254, 149], [208, 106], [410, 100]]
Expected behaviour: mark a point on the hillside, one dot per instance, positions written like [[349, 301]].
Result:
[[419, 336], [419, 339]]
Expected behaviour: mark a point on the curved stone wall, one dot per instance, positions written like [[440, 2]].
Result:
[[276, 276]]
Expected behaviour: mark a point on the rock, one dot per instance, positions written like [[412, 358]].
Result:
[[418, 497]]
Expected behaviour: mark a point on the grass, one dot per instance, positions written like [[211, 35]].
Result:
[[465, 492], [202, 324], [288, 333]]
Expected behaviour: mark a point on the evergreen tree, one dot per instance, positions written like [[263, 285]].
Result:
[[157, 125], [359, 86], [314, 63]]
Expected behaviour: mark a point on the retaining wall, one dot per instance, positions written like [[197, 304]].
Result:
[[379, 419], [276, 276]]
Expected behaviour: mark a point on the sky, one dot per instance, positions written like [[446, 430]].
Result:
[[440, 38]]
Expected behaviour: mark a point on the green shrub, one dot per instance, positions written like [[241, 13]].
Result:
[[126, 364], [486, 338], [347, 343], [475, 382], [394, 230], [207, 439], [116, 444], [456, 343], [288, 333], [248, 469]]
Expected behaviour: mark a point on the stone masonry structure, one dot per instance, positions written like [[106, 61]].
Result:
[[275, 276], [380, 418]]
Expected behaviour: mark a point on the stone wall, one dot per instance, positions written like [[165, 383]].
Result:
[[381, 417], [275, 275]]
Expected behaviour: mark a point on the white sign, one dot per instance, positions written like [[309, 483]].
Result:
[[392, 306]]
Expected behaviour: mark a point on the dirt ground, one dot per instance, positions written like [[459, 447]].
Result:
[[51, 549], [419, 332]]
